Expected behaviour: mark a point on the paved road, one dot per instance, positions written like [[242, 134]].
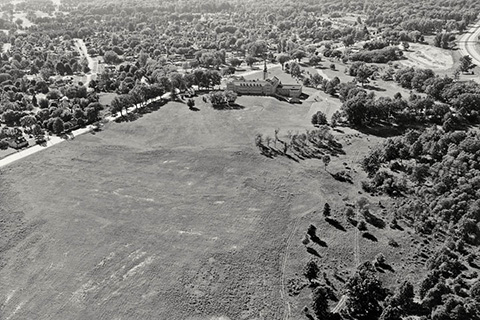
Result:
[[56, 140], [467, 42], [53, 140], [92, 64]]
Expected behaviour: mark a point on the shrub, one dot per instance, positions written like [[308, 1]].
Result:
[[471, 258], [343, 176], [326, 210], [393, 243], [305, 240], [57, 126], [349, 213], [380, 259], [311, 270], [3, 145], [319, 118], [362, 226], [312, 230], [475, 290], [43, 103]]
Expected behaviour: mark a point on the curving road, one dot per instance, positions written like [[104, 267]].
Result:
[[467, 42]]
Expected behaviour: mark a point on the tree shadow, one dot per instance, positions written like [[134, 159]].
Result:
[[335, 223], [336, 276], [151, 107], [193, 109], [342, 176], [317, 240], [139, 112], [352, 221], [313, 252], [304, 96], [314, 145], [374, 88], [290, 157], [384, 266], [396, 227], [309, 316], [233, 106], [369, 236], [330, 291], [374, 220], [129, 117], [382, 131]]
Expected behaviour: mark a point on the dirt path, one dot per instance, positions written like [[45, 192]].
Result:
[[288, 309], [323, 74], [356, 257], [356, 254], [326, 105]]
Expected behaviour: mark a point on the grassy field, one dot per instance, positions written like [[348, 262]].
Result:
[[177, 216], [106, 98], [428, 57]]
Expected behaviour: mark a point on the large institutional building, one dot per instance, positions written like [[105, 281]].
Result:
[[267, 87]]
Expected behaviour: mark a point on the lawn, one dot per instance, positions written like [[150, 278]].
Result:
[[177, 216], [6, 152], [106, 98]]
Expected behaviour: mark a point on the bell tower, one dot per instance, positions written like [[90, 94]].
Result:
[[265, 71]]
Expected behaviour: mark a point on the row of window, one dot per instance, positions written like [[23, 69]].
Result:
[[251, 84]]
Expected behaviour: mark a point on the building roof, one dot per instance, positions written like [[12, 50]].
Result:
[[273, 81], [291, 86], [251, 81]]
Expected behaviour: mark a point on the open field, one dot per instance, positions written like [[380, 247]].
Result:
[[7, 152], [23, 16], [174, 215], [428, 57], [106, 98]]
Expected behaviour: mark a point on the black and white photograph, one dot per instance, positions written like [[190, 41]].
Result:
[[240, 160]]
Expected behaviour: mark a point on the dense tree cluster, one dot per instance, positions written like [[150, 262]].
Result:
[[222, 98], [445, 168], [449, 103], [383, 55], [463, 97], [425, 17], [69, 105]]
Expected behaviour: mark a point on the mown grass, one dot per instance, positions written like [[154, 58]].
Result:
[[177, 215]]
